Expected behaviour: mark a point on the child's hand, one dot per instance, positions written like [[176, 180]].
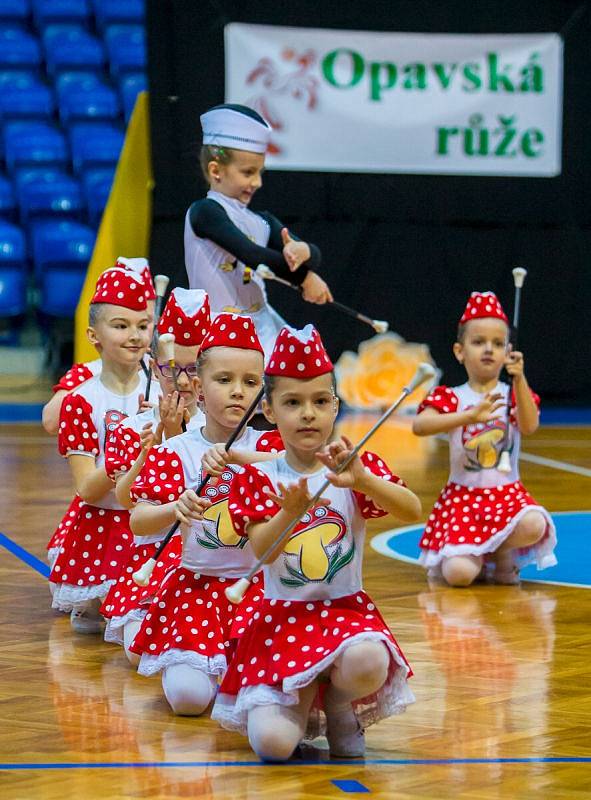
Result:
[[215, 459], [295, 253], [143, 404], [335, 454], [172, 414], [514, 364], [190, 506], [148, 437], [315, 290], [295, 498], [486, 410]]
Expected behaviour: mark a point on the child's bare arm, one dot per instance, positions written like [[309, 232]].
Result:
[[430, 421], [50, 416], [91, 482]]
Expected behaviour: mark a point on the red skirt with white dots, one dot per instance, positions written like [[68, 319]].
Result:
[[190, 621], [55, 543], [469, 520], [291, 644], [126, 600], [91, 557]]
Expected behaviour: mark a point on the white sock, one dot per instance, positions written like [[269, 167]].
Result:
[[188, 690], [129, 632]]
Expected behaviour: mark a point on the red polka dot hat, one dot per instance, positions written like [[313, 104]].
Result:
[[120, 288], [186, 315], [232, 330], [299, 354], [142, 268], [481, 305]]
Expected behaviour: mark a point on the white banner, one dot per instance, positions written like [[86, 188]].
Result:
[[347, 101]]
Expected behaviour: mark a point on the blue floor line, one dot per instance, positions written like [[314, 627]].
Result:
[[28, 558], [304, 763]]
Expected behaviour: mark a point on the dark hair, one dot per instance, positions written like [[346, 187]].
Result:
[[211, 152], [269, 385]]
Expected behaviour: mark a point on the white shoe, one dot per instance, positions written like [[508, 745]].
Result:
[[87, 620], [346, 739]]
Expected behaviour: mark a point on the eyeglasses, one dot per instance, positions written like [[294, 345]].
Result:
[[166, 370]]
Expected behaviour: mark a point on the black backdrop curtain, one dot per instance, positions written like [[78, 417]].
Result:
[[406, 248]]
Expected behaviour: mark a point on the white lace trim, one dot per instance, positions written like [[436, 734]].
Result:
[[52, 555], [115, 625], [541, 553], [212, 665], [67, 597], [393, 697]]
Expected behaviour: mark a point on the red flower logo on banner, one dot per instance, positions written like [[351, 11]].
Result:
[[297, 83]]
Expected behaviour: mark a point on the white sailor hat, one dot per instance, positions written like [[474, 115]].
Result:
[[235, 126]]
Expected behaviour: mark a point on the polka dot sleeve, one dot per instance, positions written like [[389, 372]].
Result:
[[270, 442], [162, 479], [513, 412], [374, 464], [247, 502], [121, 450], [442, 399], [76, 375], [77, 432]]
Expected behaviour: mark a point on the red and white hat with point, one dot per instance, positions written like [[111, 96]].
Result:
[[299, 354], [232, 330], [120, 288], [141, 267], [481, 305], [186, 315]]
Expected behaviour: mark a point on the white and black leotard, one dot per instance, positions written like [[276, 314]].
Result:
[[224, 243]]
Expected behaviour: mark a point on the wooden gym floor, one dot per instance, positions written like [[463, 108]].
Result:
[[502, 674]]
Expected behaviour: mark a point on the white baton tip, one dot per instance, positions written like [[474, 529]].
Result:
[[519, 276], [380, 326], [143, 575], [160, 284], [236, 592], [504, 462]]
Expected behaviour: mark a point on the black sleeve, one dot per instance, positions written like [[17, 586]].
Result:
[[276, 242], [209, 221]]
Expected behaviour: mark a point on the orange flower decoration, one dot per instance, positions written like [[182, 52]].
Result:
[[374, 377]]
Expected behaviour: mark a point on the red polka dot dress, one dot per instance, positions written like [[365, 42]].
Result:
[[99, 540], [126, 600], [74, 377], [480, 506], [190, 620], [314, 607]]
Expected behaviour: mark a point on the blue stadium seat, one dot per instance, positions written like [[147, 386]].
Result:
[[86, 97], [96, 184], [24, 95], [13, 272], [48, 192], [61, 252], [47, 12], [14, 10], [7, 198], [130, 86], [126, 47], [95, 145], [110, 12], [19, 49], [34, 144], [70, 47]]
